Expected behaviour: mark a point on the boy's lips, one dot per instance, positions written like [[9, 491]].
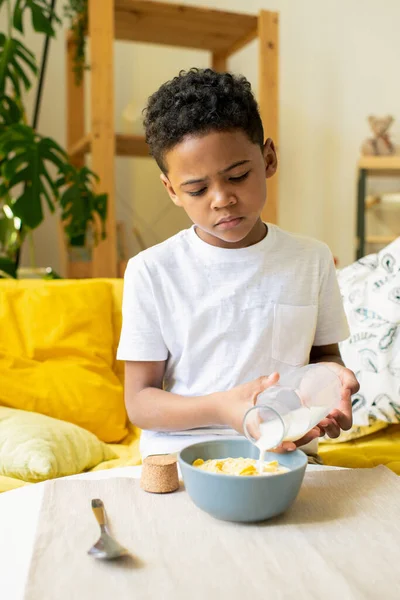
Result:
[[229, 222]]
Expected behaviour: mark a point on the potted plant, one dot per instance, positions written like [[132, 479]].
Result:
[[34, 169]]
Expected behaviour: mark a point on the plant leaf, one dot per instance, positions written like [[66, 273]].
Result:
[[47, 197], [40, 22], [8, 268], [7, 52], [41, 16], [28, 161], [80, 204], [59, 161], [14, 60], [10, 112], [26, 54], [19, 72], [30, 212], [17, 17], [50, 182], [19, 177]]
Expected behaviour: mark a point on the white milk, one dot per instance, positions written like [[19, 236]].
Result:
[[271, 435], [297, 423]]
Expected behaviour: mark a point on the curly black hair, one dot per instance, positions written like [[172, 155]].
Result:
[[196, 102]]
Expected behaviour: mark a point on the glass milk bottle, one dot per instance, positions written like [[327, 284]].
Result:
[[287, 411]]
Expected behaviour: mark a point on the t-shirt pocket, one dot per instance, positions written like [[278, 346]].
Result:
[[293, 333]]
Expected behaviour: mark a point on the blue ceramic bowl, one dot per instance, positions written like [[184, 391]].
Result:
[[243, 499]]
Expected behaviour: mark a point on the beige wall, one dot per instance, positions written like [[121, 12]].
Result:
[[338, 63]]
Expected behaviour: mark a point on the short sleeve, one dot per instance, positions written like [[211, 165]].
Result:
[[332, 324], [141, 337]]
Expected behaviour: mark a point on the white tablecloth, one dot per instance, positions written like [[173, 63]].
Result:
[[19, 511]]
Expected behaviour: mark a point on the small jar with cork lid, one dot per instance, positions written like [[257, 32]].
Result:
[[160, 474]]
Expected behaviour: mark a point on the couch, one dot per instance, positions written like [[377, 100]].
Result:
[[61, 388]]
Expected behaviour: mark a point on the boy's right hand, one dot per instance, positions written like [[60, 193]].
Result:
[[233, 404]]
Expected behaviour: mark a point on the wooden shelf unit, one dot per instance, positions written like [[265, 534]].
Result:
[[372, 166], [221, 33]]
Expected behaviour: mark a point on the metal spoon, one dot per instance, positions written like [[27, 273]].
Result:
[[106, 546]]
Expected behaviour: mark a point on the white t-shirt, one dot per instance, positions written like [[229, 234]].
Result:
[[221, 317]]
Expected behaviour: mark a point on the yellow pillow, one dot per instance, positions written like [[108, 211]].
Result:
[[34, 447], [117, 288], [57, 353], [356, 432]]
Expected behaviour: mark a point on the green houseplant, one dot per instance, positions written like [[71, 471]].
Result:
[[35, 170]]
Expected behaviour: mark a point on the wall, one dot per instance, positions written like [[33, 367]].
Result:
[[338, 63]]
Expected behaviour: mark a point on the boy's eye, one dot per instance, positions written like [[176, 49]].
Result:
[[239, 178], [198, 192]]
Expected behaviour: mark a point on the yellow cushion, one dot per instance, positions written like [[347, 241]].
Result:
[[356, 432], [57, 352], [117, 288], [381, 448], [128, 453], [10, 483], [34, 447]]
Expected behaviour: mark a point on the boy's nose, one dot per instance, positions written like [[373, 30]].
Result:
[[223, 198]]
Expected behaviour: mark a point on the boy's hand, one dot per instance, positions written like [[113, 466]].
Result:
[[233, 404], [339, 419]]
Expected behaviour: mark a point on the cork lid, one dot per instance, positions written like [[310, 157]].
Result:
[[160, 460]]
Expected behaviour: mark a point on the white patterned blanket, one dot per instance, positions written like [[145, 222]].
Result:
[[371, 294]]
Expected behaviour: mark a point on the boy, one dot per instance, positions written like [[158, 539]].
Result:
[[213, 315]]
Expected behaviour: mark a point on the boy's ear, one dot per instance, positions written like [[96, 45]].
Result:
[[270, 158], [168, 186]]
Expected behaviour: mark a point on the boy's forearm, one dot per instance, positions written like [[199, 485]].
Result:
[[159, 410]]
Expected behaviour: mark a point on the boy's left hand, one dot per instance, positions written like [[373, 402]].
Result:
[[339, 419]]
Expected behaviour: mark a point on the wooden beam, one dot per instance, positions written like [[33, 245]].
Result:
[[268, 25], [242, 42], [126, 145], [176, 24], [81, 147], [101, 32], [131, 145], [381, 239], [75, 102], [62, 250], [219, 62], [380, 164], [220, 59], [75, 107]]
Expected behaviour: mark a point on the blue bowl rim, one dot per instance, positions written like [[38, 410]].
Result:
[[242, 477]]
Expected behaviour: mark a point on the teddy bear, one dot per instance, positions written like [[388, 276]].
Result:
[[380, 144]]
